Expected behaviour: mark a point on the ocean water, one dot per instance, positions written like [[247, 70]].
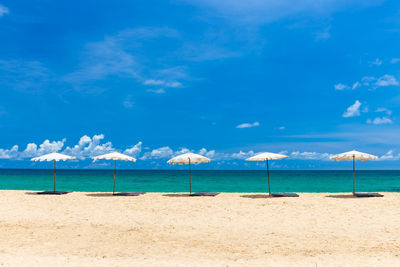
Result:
[[202, 180]]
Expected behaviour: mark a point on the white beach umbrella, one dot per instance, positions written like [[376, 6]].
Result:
[[353, 155], [53, 157], [266, 156], [115, 156], [189, 158]]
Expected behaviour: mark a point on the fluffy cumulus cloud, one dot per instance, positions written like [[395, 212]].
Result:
[[383, 81], [90, 147], [386, 80], [207, 153], [46, 147], [243, 155], [9, 153], [86, 147], [166, 153], [378, 120], [134, 150], [32, 150], [248, 125], [3, 10], [389, 156], [159, 153], [353, 110]]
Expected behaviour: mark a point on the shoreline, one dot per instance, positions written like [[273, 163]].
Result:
[[186, 192], [152, 229]]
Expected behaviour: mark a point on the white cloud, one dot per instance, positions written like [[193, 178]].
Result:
[[389, 156], [341, 86], [366, 80], [90, 147], [156, 91], [159, 153], [46, 147], [167, 153], [248, 125], [3, 10], [386, 80], [207, 153], [378, 120], [134, 150], [9, 153], [282, 128], [242, 155], [353, 110]]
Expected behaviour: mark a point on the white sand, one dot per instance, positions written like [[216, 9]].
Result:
[[226, 230]]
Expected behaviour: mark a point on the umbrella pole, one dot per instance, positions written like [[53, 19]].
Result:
[[269, 187], [54, 176], [354, 176], [115, 170], [190, 179]]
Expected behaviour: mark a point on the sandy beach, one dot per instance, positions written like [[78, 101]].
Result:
[[82, 229]]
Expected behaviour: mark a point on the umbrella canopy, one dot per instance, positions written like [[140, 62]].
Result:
[[115, 156], [189, 158], [354, 155], [266, 156], [53, 157]]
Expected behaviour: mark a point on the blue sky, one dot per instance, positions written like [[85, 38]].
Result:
[[222, 78]]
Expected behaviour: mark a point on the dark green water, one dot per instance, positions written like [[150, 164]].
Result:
[[202, 180]]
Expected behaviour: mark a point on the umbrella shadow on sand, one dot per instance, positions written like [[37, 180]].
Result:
[[357, 195]]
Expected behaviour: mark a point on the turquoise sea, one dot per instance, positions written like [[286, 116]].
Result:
[[202, 180]]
